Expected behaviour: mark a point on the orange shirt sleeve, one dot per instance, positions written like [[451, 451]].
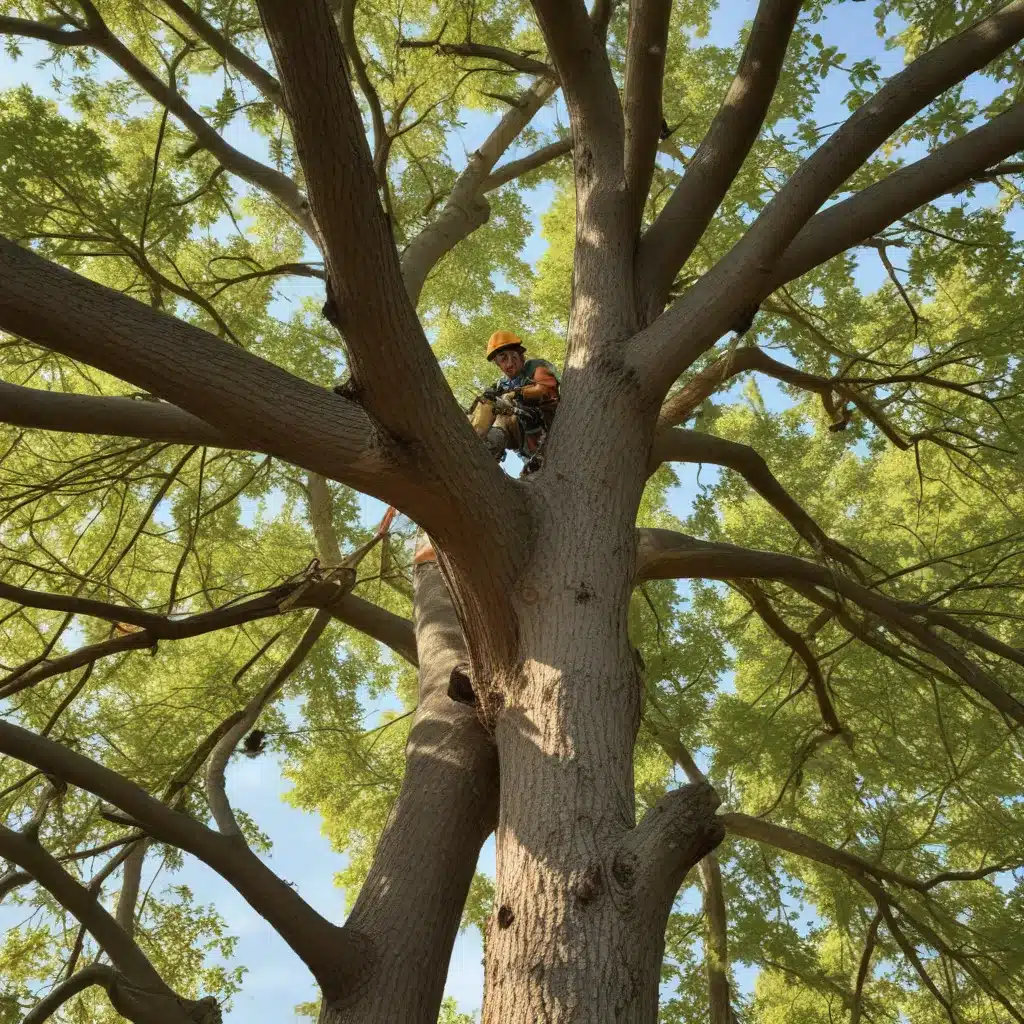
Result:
[[543, 388]]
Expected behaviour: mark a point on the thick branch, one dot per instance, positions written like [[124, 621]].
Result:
[[873, 209], [389, 353], [645, 67], [673, 836], [518, 61], [693, 446], [447, 807], [903, 96], [54, 34], [663, 554], [237, 393], [146, 998], [590, 93], [335, 956], [712, 169], [386, 627], [466, 209], [94, 974], [744, 277], [231, 54], [116, 417]]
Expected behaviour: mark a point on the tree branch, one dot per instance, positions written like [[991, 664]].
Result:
[[836, 393], [335, 956], [296, 269], [864, 968], [663, 554], [388, 350], [517, 168], [869, 876], [645, 68], [798, 645], [216, 791], [466, 209], [116, 417], [55, 34], [94, 974], [744, 277], [518, 61], [713, 168], [128, 897], [226, 387], [595, 110], [873, 209], [673, 836], [805, 846], [346, 13], [449, 796], [682, 404], [389, 356], [382, 625], [693, 446], [231, 54], [140, 993], [716, 952], [100, 38], [386, 627], [911, 954]]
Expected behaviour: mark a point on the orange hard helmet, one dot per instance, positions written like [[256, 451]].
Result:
[[499, 340]]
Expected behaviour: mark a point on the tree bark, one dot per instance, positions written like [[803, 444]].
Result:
[[411, 904], [583, 892]]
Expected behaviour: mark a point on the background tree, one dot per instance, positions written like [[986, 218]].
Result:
[[841, 677]]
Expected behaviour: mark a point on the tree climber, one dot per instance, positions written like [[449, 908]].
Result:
[[516, 414]]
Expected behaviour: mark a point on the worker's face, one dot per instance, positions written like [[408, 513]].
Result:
[[510, 361]]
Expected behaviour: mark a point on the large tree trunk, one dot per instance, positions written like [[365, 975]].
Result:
[[583, 893]]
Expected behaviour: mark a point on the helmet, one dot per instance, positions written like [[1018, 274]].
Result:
[[499, 340]]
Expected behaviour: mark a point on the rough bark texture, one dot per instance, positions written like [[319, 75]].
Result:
[[582, 892], [448, 805]]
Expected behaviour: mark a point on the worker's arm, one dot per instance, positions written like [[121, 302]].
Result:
[[542, 388]]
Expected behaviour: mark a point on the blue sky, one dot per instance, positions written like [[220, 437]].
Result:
[[276, 981]]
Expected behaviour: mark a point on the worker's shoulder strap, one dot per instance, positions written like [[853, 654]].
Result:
[[531, 366]]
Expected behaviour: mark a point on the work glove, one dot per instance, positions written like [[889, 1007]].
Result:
[[503, 405], [490, 395]]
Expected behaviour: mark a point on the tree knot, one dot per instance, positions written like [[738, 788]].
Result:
[[590, 885]]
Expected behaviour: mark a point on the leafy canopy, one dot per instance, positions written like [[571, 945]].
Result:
[[922, 481]]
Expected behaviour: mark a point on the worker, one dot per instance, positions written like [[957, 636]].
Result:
[[516, 414]]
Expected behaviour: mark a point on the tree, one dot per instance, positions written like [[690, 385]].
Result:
[[855, 565]]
